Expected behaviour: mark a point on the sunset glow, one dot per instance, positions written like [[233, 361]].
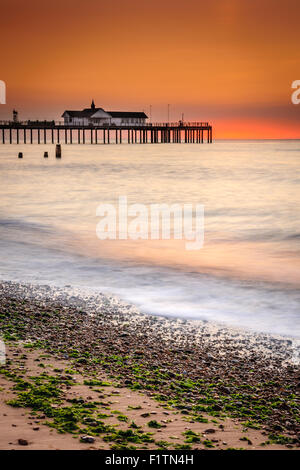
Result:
[[231, 62]]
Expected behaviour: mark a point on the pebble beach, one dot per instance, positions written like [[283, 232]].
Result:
[[195, 369]]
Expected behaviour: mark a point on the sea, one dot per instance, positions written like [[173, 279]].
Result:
[[246, 275]]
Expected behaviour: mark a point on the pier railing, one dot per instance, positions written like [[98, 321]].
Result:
[[50, 124]]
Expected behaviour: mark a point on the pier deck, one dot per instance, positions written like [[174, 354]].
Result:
[[43, 132]]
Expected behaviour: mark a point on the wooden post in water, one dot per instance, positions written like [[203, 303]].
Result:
[[58, 151]]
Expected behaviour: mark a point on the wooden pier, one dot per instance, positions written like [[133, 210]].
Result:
[[46, 132]]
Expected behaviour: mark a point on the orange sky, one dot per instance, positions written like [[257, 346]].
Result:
[[228, 61]]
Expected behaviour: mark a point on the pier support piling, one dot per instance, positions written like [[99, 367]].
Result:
[[142, 134]]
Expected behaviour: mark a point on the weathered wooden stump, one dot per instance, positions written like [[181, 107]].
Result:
[[58, 151]]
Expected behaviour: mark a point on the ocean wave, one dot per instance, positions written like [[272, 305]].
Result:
[[24, 224]]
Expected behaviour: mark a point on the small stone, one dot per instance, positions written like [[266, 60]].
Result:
[[22, 442], [217, 408], [87, 439], [209, 431], [225, 390]]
